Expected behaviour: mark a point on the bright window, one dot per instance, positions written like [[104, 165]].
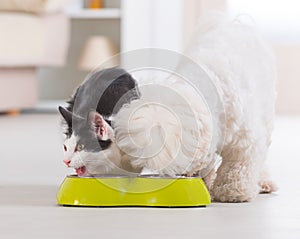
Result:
[[279, 20]]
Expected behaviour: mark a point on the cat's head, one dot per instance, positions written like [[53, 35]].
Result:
[[89, 142]]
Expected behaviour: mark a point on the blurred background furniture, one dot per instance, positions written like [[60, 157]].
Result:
[[34, 33], [98, 51], [57, 84], [34, 40]]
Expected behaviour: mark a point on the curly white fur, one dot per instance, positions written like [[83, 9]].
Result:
[[159, 134], [179, 140]]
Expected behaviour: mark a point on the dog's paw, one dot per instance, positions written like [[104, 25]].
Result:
[[232, 197], [267, 186], [234, 192]]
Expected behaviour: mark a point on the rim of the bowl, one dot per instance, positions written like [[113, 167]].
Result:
[[151, 176]]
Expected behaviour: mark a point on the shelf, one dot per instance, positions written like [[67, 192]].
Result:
[[105, 13], [46, 106]]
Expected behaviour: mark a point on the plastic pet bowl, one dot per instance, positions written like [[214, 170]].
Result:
[[150, 191]]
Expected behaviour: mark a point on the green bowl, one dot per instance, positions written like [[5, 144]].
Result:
[[150, 191]]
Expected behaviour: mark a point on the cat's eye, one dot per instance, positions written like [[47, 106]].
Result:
[[79, 147], [65, 147]]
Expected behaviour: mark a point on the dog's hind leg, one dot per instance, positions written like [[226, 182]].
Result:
[[238, 176]]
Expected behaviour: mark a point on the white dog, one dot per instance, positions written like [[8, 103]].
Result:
[[172, 129]]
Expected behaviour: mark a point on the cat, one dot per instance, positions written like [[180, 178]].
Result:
[[87, 120]]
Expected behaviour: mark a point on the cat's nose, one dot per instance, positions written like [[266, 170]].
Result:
[[67, 162]]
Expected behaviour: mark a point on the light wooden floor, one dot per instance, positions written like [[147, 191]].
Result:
[[31, 170]]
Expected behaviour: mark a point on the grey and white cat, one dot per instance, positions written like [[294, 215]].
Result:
[[89, 132]]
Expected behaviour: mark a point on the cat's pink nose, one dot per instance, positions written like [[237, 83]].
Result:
[[67, 162]]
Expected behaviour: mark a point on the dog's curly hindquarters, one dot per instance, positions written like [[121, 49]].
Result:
[[246, 79]]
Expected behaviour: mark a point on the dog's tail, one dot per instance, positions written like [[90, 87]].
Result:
[[168, 130]]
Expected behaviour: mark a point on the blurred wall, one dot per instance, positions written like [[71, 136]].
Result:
[[288, 84], [192, 11]]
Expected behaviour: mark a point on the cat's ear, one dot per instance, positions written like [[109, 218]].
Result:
[[67, 115], [101, 128]]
